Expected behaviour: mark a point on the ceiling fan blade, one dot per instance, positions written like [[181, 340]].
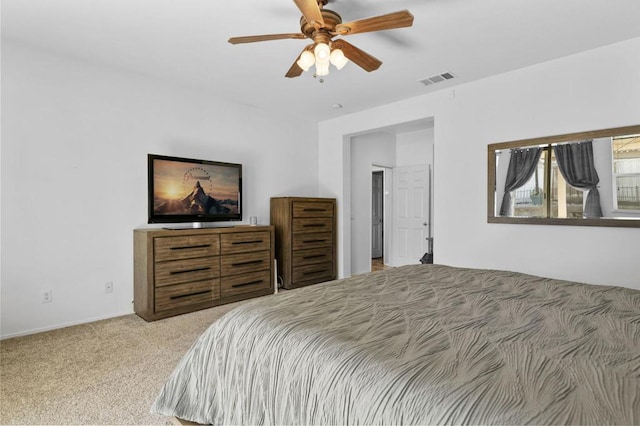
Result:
[[265, 37], [357, 56], [294, 71], [311, 12], [383, 22]]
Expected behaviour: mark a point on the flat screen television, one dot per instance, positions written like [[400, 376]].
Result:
[[186, 190]]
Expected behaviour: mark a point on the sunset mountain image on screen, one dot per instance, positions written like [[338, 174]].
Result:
[[194, 189]]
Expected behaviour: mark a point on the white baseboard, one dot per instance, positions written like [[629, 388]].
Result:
[[62, 325]]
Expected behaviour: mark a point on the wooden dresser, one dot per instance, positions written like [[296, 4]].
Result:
[[305, 239], [180, 271]]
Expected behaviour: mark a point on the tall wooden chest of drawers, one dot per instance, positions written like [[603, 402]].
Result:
[[305, 239], [180, 271]]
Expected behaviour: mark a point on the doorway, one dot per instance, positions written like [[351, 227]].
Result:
[[386, 150], [377, 220]]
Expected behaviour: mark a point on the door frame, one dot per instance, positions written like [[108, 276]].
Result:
[[336, 170]]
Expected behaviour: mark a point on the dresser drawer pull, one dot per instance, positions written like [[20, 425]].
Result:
[[311, 209], [249, 262], [314, 256], [314, 241], [320, 271], [246, 284], [198, 293], [313, 225], [206, 268], [191, 247], [248, 242]]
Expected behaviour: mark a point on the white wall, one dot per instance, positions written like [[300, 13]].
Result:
[[74, 186], [366, 150], [567, 95], [415, 147]]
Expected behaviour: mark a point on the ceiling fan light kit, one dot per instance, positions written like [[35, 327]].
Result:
[[321, 57], [321, 26]]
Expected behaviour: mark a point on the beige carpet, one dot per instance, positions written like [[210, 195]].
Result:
[[105, 372]]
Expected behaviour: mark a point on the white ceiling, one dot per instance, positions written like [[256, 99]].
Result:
[[185, 42]]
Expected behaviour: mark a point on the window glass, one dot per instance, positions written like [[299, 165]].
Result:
[[626, 171], [566, 201], [529, 200]]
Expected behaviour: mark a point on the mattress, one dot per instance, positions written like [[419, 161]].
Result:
[[420, 344]]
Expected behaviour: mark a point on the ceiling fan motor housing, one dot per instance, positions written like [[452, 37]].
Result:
[[331, 20]]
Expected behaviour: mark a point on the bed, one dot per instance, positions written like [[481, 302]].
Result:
[[420, 344]]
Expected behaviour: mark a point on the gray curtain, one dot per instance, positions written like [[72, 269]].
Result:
[[522, 165], [575, 161]]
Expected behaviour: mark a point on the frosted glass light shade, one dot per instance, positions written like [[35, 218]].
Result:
[[322, 68], [307, 59], [322, 52], [338, 59]]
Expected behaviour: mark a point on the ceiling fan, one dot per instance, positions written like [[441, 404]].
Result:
[[322, 25]]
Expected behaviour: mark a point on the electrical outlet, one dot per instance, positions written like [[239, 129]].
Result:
[[108, 287], [46, 296]]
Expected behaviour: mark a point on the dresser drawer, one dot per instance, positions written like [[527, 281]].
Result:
[[180, 271], [313, 273], [185, 247], [312, 240], [179, 295], [312, 224], [243, 242], [234, 264], [246, 283], [312, 209], [312, 256]]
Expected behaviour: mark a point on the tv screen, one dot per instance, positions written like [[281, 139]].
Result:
[[189, 190]]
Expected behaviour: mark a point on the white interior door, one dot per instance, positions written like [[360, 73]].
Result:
[[410, 213]]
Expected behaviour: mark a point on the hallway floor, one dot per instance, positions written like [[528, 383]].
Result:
[[377, 264]]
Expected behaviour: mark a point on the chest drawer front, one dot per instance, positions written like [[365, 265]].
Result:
[[313, 273], [185, 247], [234, 264], [180, 271], [312, 209], [312, 240], [312, 224], [312, 256], [243, 242], [245, 283], [187, 294]]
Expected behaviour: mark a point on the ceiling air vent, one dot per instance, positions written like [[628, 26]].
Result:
[[437, 78]]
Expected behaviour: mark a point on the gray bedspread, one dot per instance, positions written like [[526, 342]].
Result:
[[421, 344]]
